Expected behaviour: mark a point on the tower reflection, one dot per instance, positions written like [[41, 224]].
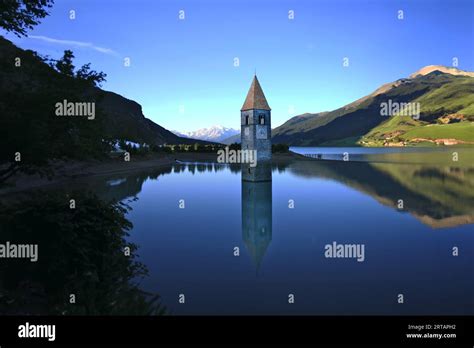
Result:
[[257, 209]]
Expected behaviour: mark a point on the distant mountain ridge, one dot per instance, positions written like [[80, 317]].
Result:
[[446, 97], [232, 140], [214, 133], [447, 70]]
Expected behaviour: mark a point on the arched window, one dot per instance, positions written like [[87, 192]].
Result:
[[261, 119], [246, 120]]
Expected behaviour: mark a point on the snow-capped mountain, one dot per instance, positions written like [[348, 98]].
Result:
[[214, 133]]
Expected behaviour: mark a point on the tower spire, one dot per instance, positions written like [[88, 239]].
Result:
[[255, 127], [255, 97]]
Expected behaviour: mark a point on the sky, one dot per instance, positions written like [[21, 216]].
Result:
[[194, 72]]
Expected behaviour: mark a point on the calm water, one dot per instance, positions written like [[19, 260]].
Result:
[[407, 250], [384, 154], [367, 150]]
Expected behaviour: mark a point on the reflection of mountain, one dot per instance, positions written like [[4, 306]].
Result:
[[257, 211], [440, 196], [449, 190]]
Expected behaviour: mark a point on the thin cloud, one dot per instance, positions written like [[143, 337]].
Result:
[[74, 44]]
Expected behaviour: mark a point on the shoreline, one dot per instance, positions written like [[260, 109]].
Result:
[[63, 172], [67, 171]]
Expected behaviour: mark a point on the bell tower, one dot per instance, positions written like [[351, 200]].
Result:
[[255, 121]]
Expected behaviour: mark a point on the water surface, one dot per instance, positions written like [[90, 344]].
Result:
[[189, 220]]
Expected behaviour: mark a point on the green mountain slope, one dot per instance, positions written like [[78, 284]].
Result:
[[447, 115], [444, 99]]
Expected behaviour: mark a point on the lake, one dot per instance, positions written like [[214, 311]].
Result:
[[404, 221]]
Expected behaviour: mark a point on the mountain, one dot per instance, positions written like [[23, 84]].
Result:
[[214, 133], [447, 70], [125, 120], [446, 100], [231, 140], [117, 116]]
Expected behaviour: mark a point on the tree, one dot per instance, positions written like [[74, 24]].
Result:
[[32, 136], [283, 148], [91, 76], [64, 65], [17, 16]]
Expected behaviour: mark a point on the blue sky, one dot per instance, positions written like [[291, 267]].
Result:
[[182, 71]]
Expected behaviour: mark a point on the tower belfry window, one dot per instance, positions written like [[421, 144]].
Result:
[[247, 119], [261, 119]]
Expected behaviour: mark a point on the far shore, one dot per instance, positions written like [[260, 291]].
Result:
[[66, 171]]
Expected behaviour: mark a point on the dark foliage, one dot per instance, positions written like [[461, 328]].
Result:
[[18, 16], [29, 125], [282, 148], [81, 251]]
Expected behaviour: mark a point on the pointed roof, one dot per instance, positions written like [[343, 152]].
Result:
[[255, 97]]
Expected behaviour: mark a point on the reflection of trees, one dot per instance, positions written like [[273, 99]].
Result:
[[218, 167], [81, 251], [280, 167]]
